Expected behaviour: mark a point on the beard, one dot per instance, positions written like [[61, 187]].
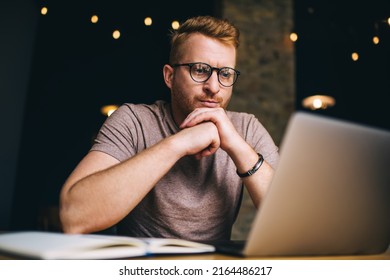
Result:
[[184, 101]]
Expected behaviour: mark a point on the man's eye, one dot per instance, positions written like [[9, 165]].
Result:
[[201, 70], [225, 74]]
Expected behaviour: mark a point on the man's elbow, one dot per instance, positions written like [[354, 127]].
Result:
[[69, 223]]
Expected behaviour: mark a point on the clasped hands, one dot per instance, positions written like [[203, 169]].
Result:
[[205, 130]]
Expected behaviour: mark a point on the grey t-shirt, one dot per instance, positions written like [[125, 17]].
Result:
[[196, 199]]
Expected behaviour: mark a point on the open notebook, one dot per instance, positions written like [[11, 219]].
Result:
[[330, 194], [52, 245]]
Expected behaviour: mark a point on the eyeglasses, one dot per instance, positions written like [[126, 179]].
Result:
[[200, 72]]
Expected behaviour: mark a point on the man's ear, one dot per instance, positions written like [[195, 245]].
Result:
[[168, 75]]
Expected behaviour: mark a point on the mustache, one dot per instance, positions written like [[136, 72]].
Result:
[[216, 98]]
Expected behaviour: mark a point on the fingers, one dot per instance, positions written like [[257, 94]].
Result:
[[201, 140], [202, 115], [228, 135], [206, 152]]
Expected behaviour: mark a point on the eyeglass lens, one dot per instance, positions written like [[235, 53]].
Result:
[[201, 72]]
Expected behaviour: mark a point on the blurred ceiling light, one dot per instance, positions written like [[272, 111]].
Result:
[[375, 40], [293, 36], [175, 24], [148, 21], [316, 102], [116, 34], [355, 56], [44, 11], [94, 19], [107, 110]]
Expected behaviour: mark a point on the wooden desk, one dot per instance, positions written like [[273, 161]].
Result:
[[227, 257], [216, 256]]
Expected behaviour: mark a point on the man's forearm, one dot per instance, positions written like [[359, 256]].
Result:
[[244, 157], [103, 198]]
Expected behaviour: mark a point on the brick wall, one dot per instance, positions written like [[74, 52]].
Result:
[[266, 86]]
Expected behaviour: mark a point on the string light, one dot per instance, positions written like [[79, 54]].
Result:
[[315, 102], [94, 19], [116, 34], [44, 11], [293, 36], [355, 56], [148, 21], [175, 24]]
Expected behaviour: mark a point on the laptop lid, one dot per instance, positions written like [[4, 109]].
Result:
[[330, 194]]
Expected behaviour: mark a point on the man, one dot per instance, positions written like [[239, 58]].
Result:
[[175, 169]]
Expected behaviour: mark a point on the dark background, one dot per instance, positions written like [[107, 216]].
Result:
[[329, 32], [72, 68]]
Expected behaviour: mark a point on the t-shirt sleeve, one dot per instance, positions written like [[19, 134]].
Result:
[[117, 135], [264, 144], [256, 135]]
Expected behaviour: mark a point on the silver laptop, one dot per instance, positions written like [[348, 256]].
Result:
[[330, 194]]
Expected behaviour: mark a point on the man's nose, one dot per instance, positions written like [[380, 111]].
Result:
[[213, 83]]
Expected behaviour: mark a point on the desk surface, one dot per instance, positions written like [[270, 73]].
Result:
[[221, 256], [218, 256]]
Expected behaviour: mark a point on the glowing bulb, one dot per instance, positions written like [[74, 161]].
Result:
[[375, 40], [44, 11], [116, 34], [355, 56], [94, 19], [148, 21], [317, 103], [388, 20], [175, 24], [108, 110], [293, 36]]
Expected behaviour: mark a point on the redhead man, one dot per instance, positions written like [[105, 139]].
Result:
[[176, 169]]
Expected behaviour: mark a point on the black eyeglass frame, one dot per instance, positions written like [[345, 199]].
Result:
[[190, 65]]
